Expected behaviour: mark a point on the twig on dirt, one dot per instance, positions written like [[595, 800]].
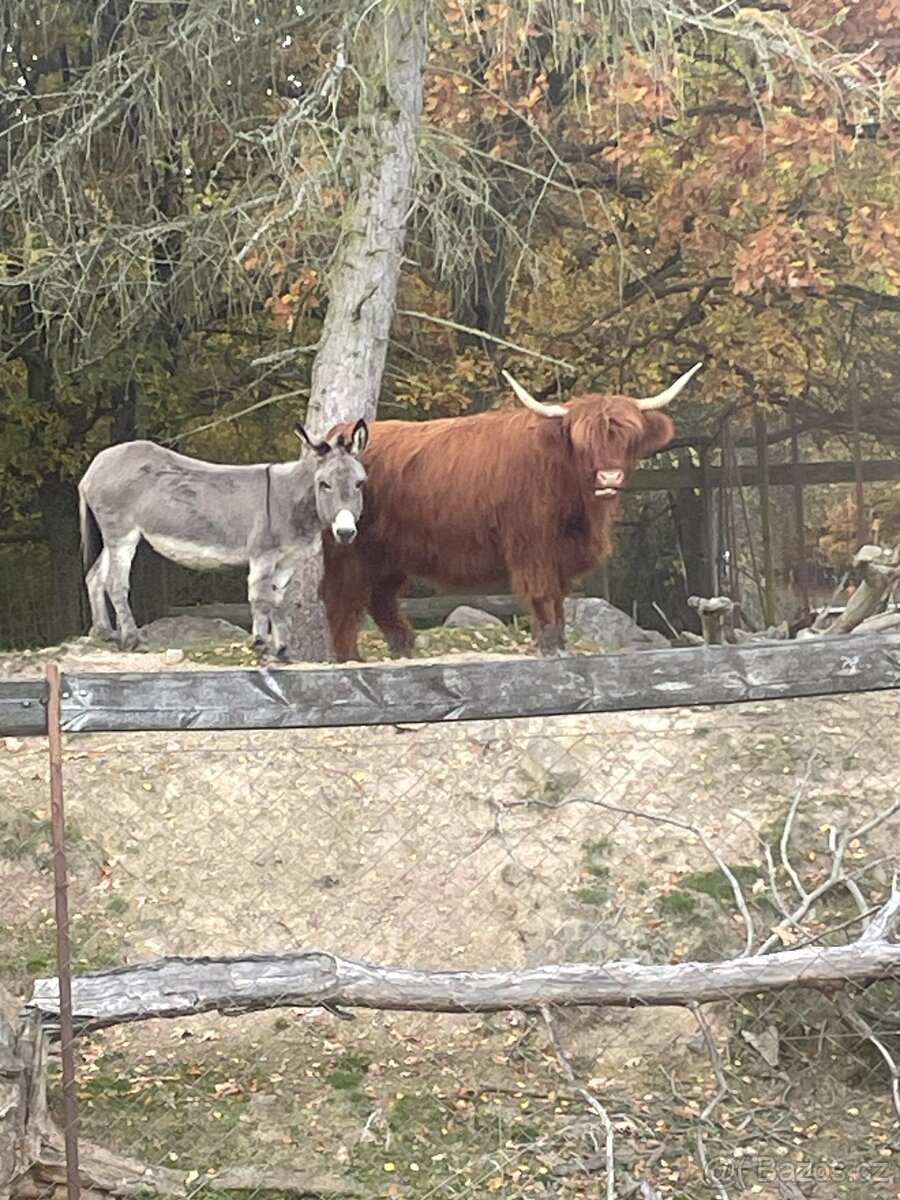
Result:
[[837, 876], [716, 1060], [711, 1106], [587, 1096], [784, 841], [855, 1020]]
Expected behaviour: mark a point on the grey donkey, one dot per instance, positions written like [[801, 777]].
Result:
[[206, 515]]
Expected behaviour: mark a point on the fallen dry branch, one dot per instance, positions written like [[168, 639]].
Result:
[[587, 1096], [178, 987]]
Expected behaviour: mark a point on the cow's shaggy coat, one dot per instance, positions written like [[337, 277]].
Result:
[[469, 502]]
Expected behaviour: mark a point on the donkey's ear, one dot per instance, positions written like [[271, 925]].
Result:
[[359, 438], [320, 448]]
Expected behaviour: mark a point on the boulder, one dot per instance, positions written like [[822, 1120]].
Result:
[[466, 617], [595, 620], [185, 632]]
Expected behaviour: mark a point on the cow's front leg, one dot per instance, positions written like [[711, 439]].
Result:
[[544, 600], [387, 614]]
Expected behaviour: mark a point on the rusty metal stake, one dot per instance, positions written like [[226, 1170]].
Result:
[[63, 947]]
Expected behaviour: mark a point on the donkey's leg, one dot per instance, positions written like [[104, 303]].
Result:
[[281, 618], [95, 582], [390, 618], [260, 593], [117, 583]]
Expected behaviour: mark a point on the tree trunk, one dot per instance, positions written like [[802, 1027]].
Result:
[[346, 377]]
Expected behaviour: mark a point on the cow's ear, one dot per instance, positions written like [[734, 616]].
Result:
[[359, 438], [658, 432], [320, 448]]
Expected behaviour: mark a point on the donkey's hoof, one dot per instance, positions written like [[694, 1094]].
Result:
[[102, 634], [133, 641]]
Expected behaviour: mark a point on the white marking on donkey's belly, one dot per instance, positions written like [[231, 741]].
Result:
[[196, 555]]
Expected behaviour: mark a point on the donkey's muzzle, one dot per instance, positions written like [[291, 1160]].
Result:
[[344, 527]]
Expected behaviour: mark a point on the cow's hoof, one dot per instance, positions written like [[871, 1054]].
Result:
[[102, 634]]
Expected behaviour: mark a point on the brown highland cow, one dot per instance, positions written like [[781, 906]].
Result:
[[527, 495]]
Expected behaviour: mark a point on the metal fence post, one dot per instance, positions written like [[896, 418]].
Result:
[[63, 946]]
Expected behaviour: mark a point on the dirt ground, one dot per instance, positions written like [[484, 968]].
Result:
[[489, 844]]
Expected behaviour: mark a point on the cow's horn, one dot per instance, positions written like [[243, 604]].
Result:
[[671, 391], [546, 410]]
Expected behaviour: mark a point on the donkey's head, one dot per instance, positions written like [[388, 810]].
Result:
[[339, 478]]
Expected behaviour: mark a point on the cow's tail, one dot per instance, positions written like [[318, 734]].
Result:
[[91, 538]]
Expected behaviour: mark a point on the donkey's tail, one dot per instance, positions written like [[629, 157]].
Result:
[[91, 538]]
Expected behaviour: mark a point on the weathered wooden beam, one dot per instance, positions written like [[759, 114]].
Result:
[[486, 689], [23, 709], [650, 479]]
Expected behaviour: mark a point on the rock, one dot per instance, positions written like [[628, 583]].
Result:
[[184, 632], [466, 617], [597, 620], [173, 656]]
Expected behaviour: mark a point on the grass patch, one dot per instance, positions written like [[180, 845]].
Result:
[[28, 948], [595, 890], [430, 643], [684, 902], [349, 1074], [473, 1146], [180, 1114], [25, 837]]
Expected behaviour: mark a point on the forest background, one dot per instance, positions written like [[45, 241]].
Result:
[[599, 195]]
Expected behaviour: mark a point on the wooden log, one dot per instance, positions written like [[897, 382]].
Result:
[[879, 574], [105, 1173], [180, 987], [879, 623], [460, 690]]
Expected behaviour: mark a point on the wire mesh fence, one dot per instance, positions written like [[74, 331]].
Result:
[[660, 837]]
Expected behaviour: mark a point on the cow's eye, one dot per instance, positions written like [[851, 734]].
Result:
[[323, 486], [359, 485]]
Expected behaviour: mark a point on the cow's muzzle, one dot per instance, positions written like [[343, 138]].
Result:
[[608, 483]]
